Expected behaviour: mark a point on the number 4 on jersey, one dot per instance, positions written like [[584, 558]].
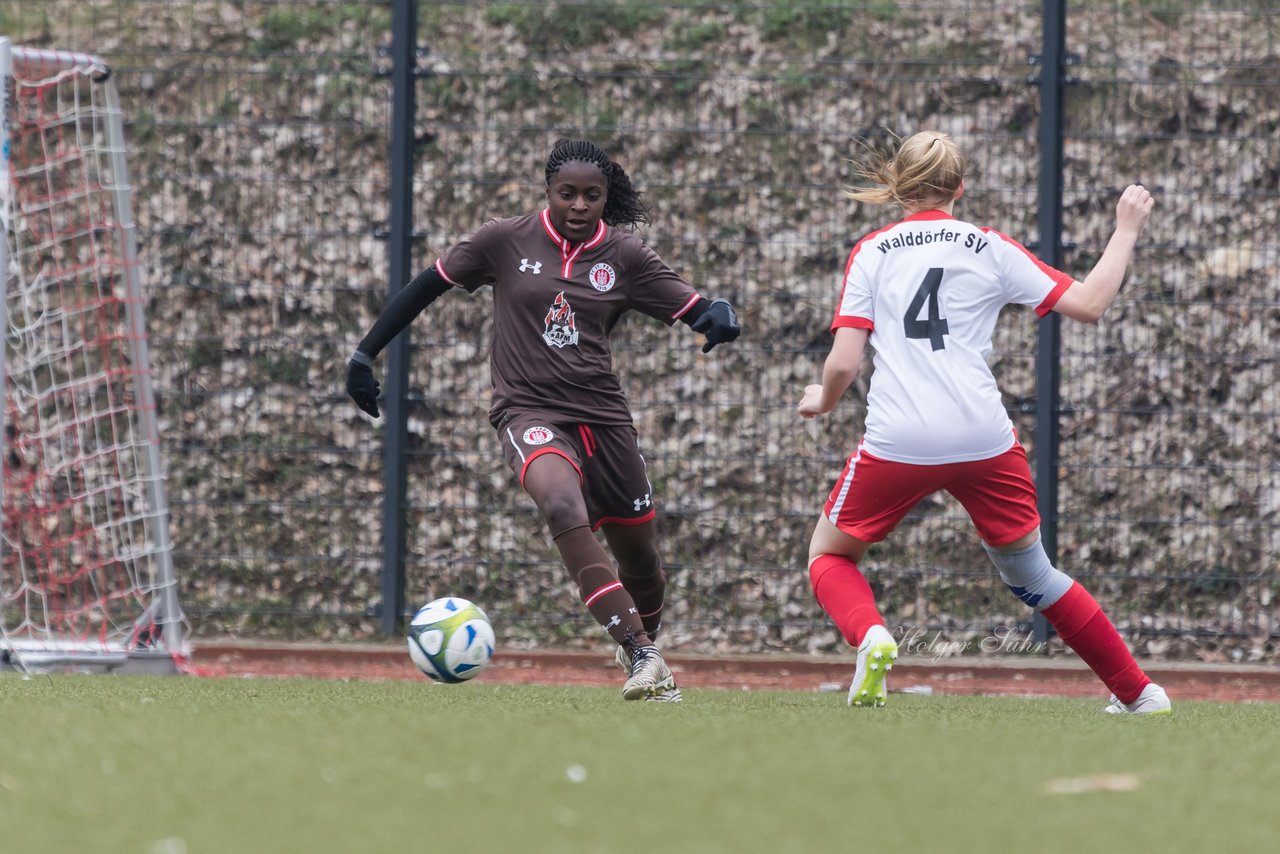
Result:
[[934, 327]]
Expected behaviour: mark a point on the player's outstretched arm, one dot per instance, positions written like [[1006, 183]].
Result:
[[396, 315], [716, 321], [1087, 300], [838, 372]]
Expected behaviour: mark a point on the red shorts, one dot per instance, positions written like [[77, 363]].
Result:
[[873, 495], [615, 483]]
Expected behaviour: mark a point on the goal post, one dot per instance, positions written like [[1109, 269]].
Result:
[[86, 565]]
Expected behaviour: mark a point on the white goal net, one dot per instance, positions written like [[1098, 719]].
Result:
[[86, 573]]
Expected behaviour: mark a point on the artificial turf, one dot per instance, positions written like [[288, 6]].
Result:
[[178, 765]]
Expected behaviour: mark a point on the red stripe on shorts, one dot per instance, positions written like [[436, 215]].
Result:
[[559, 453], [588, 439], [619, 520]]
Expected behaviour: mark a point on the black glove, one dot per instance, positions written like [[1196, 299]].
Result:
[[719, 323], [362, 387]]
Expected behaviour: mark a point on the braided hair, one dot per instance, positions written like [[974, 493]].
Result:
[[622, 206]]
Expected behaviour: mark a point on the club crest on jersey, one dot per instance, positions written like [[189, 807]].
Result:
[[560, 328], [602, 277], [538, 435]]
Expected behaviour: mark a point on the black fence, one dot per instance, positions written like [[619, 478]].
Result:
[[262, 152]]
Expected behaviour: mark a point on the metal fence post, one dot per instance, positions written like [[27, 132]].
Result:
[[404, 29], [1052, 61]]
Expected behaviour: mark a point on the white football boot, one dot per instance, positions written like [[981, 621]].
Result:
[[876, 655], [623, 659], [1152, 701], [666, 695], [650, 678]]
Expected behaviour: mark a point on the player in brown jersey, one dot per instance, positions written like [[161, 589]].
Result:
[[561, 279]]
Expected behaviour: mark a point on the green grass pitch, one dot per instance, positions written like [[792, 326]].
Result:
[[172, 765]]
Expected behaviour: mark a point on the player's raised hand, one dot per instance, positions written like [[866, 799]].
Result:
[[362, 386], [719, 323], [1133, 208], [811, 401]]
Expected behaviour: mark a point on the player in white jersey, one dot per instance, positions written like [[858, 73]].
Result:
[[925, 293]]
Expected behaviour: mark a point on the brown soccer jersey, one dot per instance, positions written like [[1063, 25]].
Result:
[[554, 305]]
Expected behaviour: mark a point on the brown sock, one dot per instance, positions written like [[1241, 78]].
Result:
[[649, 593], [601, 591]]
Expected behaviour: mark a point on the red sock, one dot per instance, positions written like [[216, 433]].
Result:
[[845, 595], [1079, 621]]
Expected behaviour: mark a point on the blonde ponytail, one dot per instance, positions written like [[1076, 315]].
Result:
[[926, 172]]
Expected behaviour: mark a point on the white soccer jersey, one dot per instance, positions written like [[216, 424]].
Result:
[[930, 289]]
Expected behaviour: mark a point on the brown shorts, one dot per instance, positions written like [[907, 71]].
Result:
[[615, 483]]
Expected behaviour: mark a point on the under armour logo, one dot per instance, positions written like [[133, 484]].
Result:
[[642, 502], [615, 620], [525, 266]]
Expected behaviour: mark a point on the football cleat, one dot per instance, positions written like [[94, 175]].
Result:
[[1152, 701], [667, 695], [623, 659], [876, 655], [650, 677]]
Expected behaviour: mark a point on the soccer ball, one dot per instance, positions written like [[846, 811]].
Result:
[[450, 639]]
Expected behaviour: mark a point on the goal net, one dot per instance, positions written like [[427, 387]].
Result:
[[86, 572]]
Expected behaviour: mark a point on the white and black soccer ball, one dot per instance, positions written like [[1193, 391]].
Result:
[[450, 639]]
